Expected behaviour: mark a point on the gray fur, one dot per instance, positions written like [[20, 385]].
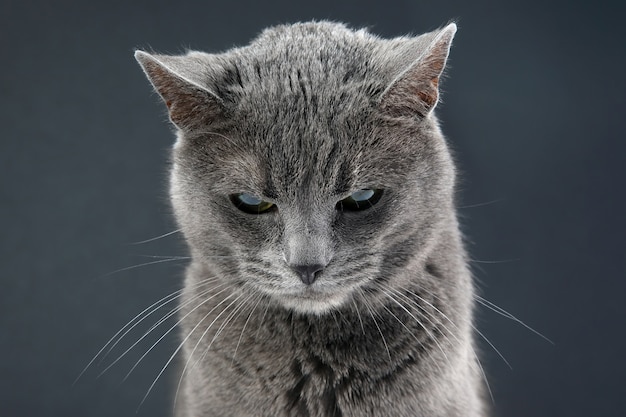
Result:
[[304, 116]]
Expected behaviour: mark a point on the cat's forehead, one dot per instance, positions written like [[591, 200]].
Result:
[[319, 57], [296, 161], [304, 124], [300, 162], [332, 147]]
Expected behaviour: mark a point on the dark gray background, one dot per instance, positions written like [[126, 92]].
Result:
[[534, 107]]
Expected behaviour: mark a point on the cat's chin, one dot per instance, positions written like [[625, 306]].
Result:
[[309, 301]]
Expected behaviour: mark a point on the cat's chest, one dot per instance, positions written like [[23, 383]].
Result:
[[286, 380], [302, 366]]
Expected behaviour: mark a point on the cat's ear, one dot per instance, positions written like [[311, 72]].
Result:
[[415, 90], [178, 80]]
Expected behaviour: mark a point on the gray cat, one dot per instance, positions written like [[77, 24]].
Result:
[[315, 190]]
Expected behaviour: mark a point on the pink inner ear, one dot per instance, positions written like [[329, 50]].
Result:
[[429, 95], [414, 95], [416, 92], [188, 105]]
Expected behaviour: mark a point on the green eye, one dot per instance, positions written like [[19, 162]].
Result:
[[251, 204], [360, 200]]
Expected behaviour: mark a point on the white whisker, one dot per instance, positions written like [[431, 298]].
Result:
[[144, 314], [179, 307], [155, 306], [356, 308], [244, 328], [430, 335], [508, 315], [480, 366], [479, 299], [407, 329], [267, 307], [180, 346], [332, 313], [486, 203], [503, 261], [369, 308], [162, 320], [190, 356], [128, 268], [156, 238], [235, 313], [165, 256]]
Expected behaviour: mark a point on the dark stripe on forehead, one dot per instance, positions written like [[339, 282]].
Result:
[[331, 159], [269, 189], [344, 179], [268, 185]]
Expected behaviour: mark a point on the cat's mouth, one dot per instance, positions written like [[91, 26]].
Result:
[[315, 299], [310, 293], [318, 297]]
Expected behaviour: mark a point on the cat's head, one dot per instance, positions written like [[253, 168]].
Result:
[[308, 164]]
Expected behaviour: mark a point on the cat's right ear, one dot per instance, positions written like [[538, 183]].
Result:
[[415, 90], [190, 105]]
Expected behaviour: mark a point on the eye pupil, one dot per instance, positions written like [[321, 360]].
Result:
[[251, 204], [360, 200]]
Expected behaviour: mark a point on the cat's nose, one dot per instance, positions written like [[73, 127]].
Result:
[[307, 273]]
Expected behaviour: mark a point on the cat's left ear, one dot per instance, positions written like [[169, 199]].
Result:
[[179, 81], [415, 91]]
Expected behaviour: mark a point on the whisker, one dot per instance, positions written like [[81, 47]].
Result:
[[244, 328], [503, 261], [366, 304], [162, 320], [174, 295], [128, 268], [180, 346], [190, 356], [168, 315], [267, 307], [356, 308], [492, 346], [136, 320], [493, 307], [165, 256], [421, 324], [342, 318], [332, 313], [406, 328], [486, 203], [156, 238], [480, 366], [475, 261], [235, 313]]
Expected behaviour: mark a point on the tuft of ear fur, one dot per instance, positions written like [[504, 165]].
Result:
[[415, 91], [190, 105]]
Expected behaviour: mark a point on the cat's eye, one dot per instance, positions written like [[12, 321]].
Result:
[[251, 204], [360, 200]]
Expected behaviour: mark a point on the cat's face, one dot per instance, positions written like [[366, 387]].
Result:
[[357, 202], [310, 187]]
